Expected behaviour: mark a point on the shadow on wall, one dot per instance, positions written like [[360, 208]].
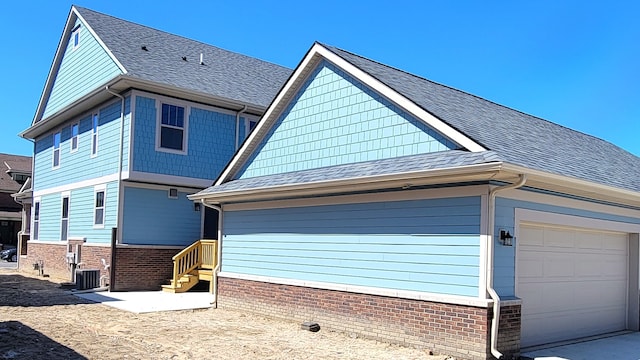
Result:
[[19, 341]]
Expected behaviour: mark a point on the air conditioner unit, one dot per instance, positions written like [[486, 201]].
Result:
[[87, 279]]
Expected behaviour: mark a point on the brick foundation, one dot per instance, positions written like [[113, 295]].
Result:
[[53, 257], [143, 268], [459, 330]]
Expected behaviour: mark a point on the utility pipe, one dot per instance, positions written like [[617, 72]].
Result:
[[120, 187], [238, 126], [490, 254], [216, 269]]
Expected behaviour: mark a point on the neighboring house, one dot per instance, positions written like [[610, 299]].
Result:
[[15, 171], [130, 121], [377, 202]]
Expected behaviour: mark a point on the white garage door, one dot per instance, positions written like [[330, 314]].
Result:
[[572, 282]]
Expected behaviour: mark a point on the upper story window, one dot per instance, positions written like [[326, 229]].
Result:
[[94, 135], [74, 137], [75, 37], [19, 178], [56, 150], [172, 133]]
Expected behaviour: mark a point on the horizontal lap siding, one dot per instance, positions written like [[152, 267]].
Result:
[[82, 70], [421, 245]]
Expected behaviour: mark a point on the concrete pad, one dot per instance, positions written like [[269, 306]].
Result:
[[619, 347], [150, 301]]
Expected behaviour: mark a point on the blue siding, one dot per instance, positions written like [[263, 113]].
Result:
[[105, 163], [150, 217], [504, 262], [336, 120], [419, 245], [82, 70], [81, 210], [211, 143]]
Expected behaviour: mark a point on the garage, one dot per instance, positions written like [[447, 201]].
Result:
[[573, 282]]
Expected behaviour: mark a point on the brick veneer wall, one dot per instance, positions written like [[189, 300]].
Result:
[[142, 268], [458, 330], [53, 257]]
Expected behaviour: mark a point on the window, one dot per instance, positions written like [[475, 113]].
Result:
[[75, 37], [172, 128], [64, 218], [94, 135], [36, 219], [98, 215], [74, 137], [56, 150], [251, 125], [19, 178]]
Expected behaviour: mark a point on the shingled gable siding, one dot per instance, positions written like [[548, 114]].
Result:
[[106, 161], [428, 246], [336, 120], [150, 217], [82, 70], [211, 141]]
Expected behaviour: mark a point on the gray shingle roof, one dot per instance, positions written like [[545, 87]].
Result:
[[404, 164], [516, 137], [226, 74], [12, 163]]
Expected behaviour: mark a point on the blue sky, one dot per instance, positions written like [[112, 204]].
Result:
[[576, 63]]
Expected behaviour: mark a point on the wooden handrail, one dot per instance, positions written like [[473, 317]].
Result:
[[200, 254]]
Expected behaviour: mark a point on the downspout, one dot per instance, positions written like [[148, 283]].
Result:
[[238, 126], [216, 269], [492, 293], [112, 268]]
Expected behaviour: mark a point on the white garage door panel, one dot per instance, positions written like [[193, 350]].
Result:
[[572, 282]]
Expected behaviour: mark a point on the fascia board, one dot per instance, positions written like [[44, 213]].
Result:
[[488, 171]]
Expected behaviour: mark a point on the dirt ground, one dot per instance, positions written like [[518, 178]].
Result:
[[39, 320]]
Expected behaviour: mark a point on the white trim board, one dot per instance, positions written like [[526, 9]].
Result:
[[166, 179], [403, 294], [77, 185], [423, 194], [545, 218]]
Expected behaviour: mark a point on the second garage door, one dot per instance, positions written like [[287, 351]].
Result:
[[572, 282]]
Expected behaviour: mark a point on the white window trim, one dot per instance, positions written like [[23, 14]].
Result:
[[96, 190], [77, 137], [185, 131], [94, 136], [35, 235], [75, 32], [64, 195], [53, 153]]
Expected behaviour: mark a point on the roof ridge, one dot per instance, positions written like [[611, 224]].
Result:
[[80, 9], [473, 95]]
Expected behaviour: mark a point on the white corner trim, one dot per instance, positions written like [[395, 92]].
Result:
[[484, 242], [415, 295]]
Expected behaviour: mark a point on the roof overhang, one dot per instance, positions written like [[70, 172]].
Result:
[[494, 171], [121, 84]]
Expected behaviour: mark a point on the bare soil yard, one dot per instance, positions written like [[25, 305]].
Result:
[[39, 320]]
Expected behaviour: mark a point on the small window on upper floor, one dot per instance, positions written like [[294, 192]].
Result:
[[94, 135], [74, 137], [172, 134], [75, 37], [56, 150]]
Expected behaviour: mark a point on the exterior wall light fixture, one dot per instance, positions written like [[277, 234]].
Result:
[[506, 239]]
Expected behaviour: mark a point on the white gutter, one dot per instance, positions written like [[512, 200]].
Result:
[[490, 255], [216, 269], [120, 156], [238, 126]]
